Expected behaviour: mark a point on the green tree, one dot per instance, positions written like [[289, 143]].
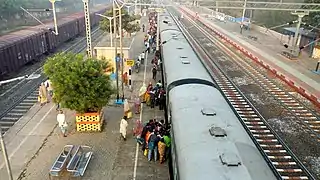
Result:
[[79, 84], [128, 22], [314, 17]]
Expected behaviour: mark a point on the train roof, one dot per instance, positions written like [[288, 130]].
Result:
[[17, 36], [179, 60], [203, 156]]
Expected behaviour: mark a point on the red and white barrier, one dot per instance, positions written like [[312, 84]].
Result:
[[293, 84]]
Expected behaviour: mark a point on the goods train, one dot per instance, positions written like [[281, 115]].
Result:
[[208, 140], [21, 47]]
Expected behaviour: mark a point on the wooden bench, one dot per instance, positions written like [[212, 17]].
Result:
[[255, 38], [61, 161], [79, 161]]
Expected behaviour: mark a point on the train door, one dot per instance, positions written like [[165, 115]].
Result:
[[13, 54], [26, 48], [2, 62]]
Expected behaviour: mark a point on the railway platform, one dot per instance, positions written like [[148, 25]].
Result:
[[34, 142], [267, 51]]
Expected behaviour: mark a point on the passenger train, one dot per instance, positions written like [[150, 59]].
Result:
[[208, 140]]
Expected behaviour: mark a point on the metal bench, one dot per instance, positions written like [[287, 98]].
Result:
[[61, 161], [289, 55], [255, 38], [79, 161]]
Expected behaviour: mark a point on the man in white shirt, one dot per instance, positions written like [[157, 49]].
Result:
[[142, 56], [61, 118], [123, 127]]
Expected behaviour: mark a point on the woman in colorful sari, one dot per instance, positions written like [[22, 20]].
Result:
[[43, 94], [142, 93], [147, 94], [126, 108]]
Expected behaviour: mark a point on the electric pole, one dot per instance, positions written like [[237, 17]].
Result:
[[115, 45], [121, 51], [88, 27], [296, 35]]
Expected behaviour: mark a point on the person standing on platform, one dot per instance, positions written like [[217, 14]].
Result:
[[48, 85], [143, 27], [142, 57], [137, 105], [61, 118], [154, 72], [123, 128], [43, 94], [162, 150], [148, 47], [167, 141], [126, 109]]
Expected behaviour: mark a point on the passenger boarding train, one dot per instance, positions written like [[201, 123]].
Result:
[[208, 140]]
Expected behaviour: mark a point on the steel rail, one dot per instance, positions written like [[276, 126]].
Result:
[[277, 154], [296, 109]]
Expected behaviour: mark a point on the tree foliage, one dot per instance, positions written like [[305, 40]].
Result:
[[314, 17], [128, 22], [79, 84]]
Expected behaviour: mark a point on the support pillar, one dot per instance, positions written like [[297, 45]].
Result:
[[296, 35]]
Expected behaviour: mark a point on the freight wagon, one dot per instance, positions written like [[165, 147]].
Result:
[[30, 44]]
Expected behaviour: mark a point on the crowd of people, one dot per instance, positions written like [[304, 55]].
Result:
[[154, 136]]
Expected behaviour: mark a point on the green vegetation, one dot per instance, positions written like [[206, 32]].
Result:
[[79, 84], [314, 17], [128, 22]]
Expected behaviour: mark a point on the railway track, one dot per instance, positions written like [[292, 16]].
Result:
[[295, 110], [23, 96], [277, 154]]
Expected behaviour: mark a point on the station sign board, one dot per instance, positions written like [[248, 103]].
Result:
[[130, 62]]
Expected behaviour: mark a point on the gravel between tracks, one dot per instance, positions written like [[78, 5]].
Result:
[[293, 133]]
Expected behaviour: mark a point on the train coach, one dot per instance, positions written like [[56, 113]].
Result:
[[24, 46], [208, 140]]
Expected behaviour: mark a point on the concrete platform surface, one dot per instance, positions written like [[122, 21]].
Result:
[[266, 50], [34, 142]]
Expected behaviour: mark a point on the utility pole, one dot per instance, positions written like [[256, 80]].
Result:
[[54, 16], [110, 26], [5, 155], [115, 45], [217, 9], [158, 32], [135, 7], [121, 50], [55, 32], [244, 11], [296, 35], [88, 27]]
